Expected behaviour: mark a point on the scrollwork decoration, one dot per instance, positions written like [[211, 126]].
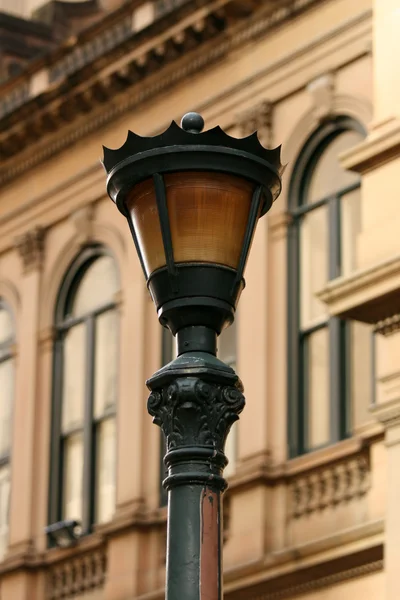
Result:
[[191, 411]]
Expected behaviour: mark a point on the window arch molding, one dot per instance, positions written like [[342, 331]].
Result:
[[313, 148], [302, 347], [102, 235], [73, 276], [358, 109], [84, 394]]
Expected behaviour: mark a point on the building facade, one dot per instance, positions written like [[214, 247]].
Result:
[[312, 506]]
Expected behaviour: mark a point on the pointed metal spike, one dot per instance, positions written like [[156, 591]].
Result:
[[173, 125], [276, 156], [132, 136], [108, 158]]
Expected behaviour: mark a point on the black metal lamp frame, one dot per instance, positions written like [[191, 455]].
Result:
[[187, 294]]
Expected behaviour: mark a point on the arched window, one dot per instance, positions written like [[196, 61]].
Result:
[[85, 393], [6, 404], [324, 203]]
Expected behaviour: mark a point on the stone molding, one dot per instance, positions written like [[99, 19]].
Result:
[[329, 486], [388, 413], [373, 564], [381, 145], [76, 575], [278, 225], [83, 222], [360, 295], [257, 118], [358, 108], [323, 582], [322, 92], [388, 326], [30, 246], [60, 112]]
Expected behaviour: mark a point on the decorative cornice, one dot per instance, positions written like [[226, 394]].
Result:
[[388, 326], [381, 145], [323, 582], [125, 74], [370, 561], [31, 247], [369, 295]]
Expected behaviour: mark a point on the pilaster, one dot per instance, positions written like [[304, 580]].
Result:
[[388, 413], [24, 460]]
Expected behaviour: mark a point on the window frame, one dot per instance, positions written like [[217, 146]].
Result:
[[63, 323], [7, 353], [339, 343]]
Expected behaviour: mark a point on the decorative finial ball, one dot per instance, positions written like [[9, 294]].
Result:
[[192, 122]]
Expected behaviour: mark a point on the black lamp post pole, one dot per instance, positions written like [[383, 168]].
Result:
[[195, 404], [192, 200]]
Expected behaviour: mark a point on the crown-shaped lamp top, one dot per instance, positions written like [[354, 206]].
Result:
[[189, 148]]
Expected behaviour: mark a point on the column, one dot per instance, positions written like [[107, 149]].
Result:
[[30, 247]]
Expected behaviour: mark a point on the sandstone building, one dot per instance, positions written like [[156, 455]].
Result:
[[312, 509]]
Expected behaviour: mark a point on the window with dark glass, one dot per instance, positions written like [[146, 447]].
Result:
[[324, 369], [6, 405], [85, 393]]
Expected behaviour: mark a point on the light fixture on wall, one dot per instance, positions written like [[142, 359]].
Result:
[[64, 533]]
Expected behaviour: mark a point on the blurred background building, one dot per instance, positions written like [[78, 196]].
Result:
[[313, 506]]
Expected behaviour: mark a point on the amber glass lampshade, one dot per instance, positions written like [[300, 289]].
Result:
[[207, 218], [192, 200]]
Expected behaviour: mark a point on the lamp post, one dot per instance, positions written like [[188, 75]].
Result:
[[192, 201]]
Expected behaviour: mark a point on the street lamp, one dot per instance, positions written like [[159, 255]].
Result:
[[192, 200]]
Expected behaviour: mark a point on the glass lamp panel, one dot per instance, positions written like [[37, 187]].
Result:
[[4, 507], [6, 326], [142, 206], [328, 176], [73, 477], [97, 286], [74, 378], [106, 357], [317, 386], [208, 214], [350, 229], [6, 399], [105, 470], [314, 255]]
